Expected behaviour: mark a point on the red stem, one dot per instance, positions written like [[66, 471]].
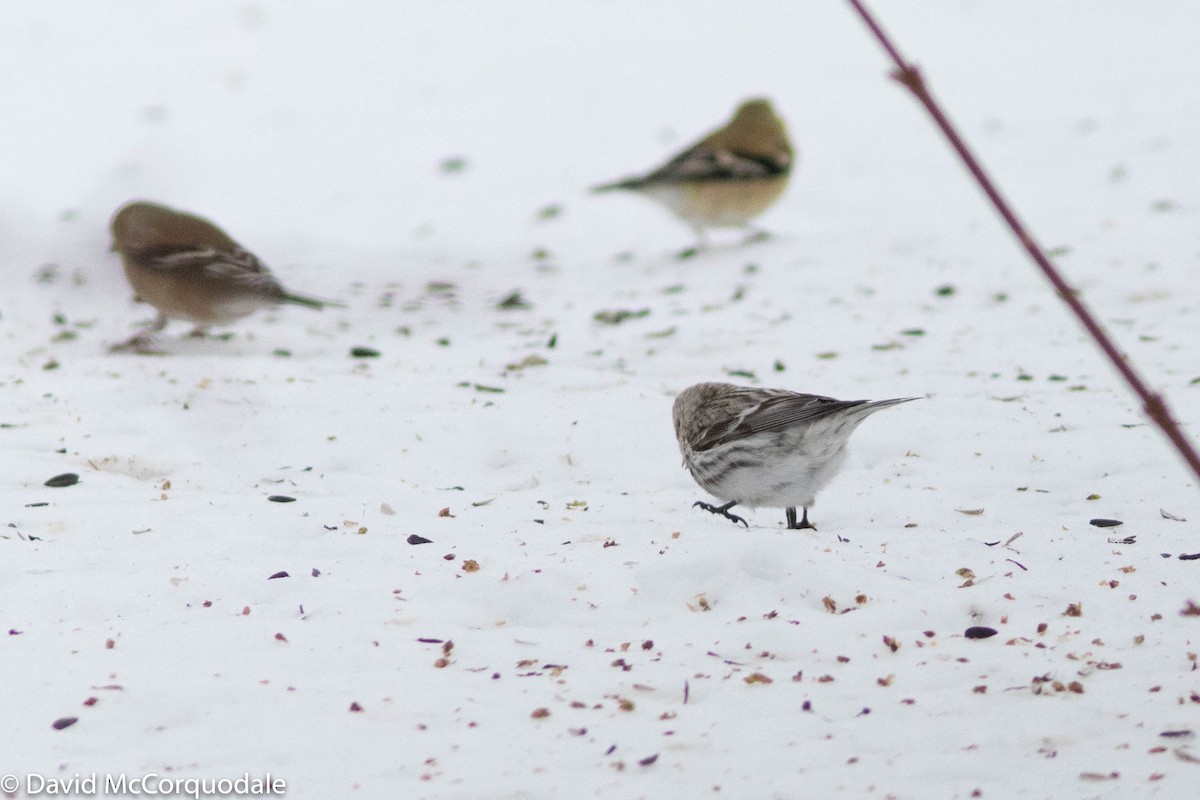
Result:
[[1153, 404]]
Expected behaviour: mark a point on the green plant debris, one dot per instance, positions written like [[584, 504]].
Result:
[[618, 316], [528, 361], [513, 301]]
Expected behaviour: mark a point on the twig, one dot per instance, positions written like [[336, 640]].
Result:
[[1153, 404]]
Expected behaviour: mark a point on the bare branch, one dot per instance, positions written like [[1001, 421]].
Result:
[[1153, 404]]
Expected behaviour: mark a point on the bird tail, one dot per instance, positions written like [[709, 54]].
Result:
[[628, 183], [311, 302], [879, 405]]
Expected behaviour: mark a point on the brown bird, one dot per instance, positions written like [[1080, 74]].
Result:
[[727, 178], [189, 269]]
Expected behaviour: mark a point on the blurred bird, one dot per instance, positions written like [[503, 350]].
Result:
[[765, 447], [727, 178], [189, 269]]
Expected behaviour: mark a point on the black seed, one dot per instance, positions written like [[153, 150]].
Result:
[[414, 539], [66, 479], [64, 722], [1106, 523], [363, 352], [280, 574], [281, 498], [979, 632]]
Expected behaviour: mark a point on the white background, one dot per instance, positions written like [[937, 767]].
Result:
[[315, 132]]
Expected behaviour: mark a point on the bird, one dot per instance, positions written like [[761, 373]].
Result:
[[189, 269], [770, 448], [727, 178]]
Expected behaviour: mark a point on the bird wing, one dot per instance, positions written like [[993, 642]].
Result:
[[703, 163], [235, 265], [775, 412]]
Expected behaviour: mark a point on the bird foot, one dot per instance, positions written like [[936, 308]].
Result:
[[757, 235], [143, 344], [803, 524], [722, 511]]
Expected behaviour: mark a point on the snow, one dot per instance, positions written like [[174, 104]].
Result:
[[318, 134]]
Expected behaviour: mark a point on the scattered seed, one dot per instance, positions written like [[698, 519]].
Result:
[[979, 632], [364, 352], [65, 479], [64, 722], [415, 539], [280, 574], [1106, 523], [281, 498]]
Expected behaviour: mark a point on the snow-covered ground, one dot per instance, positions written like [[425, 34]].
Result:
[[574, 628]]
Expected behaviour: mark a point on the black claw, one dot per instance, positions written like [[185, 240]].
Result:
[[792, 525], [722, 511]]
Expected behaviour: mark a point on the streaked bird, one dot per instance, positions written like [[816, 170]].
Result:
[[765, 447], [189, 269], [727, 178]]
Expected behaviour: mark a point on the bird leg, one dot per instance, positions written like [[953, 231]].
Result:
[[142, 341], [722, 511], [804, 523]]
